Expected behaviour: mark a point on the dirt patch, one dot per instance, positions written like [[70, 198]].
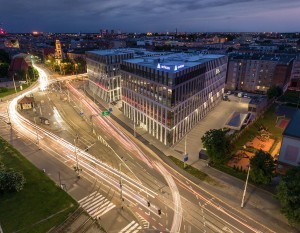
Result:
[[241, 159], [260, 143]]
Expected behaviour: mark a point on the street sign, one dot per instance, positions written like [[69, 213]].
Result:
[[105, 113], [186, 158]]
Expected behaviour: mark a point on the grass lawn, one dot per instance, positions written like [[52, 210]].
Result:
[[40, 198], [11, 91], [268, 120], [193, 171]]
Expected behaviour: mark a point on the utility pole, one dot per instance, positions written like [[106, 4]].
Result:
[[244, 194], [121, 184], [14, 83], [77, 169], [9, 122], [37, 135], [184, 162], [68, 95], [134, 130], [59, 179]]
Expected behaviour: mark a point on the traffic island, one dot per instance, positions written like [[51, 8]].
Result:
[[195, 172]]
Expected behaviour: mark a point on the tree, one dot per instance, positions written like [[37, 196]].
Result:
[[274, 91], [4, 56], [4, 69], [32, 74], [217, 145], [288, 193], [11, 181], [262, 167]]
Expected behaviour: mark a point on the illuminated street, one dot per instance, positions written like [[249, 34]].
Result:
[[133, 172]]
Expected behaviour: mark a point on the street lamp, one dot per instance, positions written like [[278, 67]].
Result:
[[37, 135], [121, 184], [244, 194], [77, 169], [185, 153], [14, 83]]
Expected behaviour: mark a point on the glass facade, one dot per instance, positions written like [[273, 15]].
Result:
[[104, 73], [169, 104]]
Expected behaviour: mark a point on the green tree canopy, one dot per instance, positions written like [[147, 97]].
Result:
[[4, 56], [274, 91], [262, 167], [288, 193], [217, 145], [11, 181], [4, 69]]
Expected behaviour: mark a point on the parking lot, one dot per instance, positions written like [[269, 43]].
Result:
[[215, 119]]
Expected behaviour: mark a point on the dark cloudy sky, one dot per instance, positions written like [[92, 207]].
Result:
[[150, 15]]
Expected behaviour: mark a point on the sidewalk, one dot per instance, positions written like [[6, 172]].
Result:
[[259, 204]]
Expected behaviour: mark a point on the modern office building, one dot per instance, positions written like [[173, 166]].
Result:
[[257, 73], [167, 95], [103, 68]]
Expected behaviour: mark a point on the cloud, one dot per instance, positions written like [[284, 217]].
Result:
[[140, 15]]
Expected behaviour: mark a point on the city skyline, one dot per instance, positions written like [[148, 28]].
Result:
[[145, 15]]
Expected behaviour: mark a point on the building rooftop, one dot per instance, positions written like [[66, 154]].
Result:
[[137, 52], [265, 57], [174, 62], [293, 128]]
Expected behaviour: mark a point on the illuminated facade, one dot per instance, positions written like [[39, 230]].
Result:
[[258, 72], [168, 95], [103, 68], [58, 52]]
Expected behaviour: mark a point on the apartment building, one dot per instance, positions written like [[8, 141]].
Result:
[[257, 73]]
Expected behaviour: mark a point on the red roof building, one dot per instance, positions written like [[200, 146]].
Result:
[[18, 64]]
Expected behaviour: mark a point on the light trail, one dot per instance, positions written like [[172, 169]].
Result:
[[177, 218], [30, 129]]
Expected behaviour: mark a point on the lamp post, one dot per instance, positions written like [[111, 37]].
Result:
[[121, 184], [77, 169], [185, 154], [7, 110], [244, 194], [14, 83]]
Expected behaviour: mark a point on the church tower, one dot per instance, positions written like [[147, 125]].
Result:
[[58, 51]]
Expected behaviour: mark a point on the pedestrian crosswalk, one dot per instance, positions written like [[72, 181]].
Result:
[[132, 227], [96, 205], [144, 221]]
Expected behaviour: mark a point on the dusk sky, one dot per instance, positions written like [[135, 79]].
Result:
[[150, 15]]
